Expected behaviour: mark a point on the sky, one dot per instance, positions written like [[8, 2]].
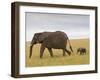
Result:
[[74, 25]]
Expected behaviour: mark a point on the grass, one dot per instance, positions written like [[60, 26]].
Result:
[[58, 59]]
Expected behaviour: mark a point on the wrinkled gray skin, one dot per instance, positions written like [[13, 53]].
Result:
[[50, 40], [82, 51]]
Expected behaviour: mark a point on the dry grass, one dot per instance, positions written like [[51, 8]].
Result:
[[58, 59]]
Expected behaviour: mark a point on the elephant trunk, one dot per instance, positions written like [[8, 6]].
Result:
[[30, 51], [31, 46]]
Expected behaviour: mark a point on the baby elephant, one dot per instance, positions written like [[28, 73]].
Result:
[[82, 51]]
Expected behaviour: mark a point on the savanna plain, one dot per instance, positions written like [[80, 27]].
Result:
[[58, 59]]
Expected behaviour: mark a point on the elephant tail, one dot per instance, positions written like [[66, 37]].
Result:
[[69, 44]]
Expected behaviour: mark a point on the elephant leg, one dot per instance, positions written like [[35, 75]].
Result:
[[42, 50], [77, 52], [80, 53], [85, 52], [63, 52], [50, 51], [68, 52]]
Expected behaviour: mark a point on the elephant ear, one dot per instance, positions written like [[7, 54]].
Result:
[[38, 36], [43, 36]]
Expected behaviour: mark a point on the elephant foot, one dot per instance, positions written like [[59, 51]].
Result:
[[64, 55], [41, 57], [52, 56], [69, 53]]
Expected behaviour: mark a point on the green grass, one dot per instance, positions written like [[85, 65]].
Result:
[[58, 59]]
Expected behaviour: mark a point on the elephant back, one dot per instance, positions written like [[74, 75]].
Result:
[[56, 40], [43, 36]]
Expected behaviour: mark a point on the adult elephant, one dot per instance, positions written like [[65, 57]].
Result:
[[49, 40]]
